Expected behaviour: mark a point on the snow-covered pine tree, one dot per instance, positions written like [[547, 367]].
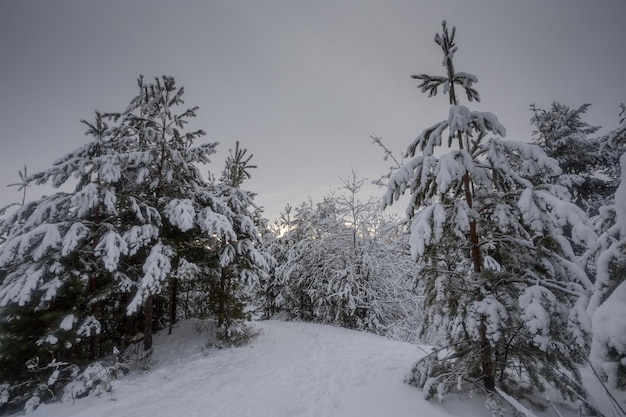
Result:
[[87, 264], [588, 173], [502, 282], [607, 306], [241, 261]]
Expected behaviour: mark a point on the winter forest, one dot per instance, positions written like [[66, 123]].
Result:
[[508, 267]]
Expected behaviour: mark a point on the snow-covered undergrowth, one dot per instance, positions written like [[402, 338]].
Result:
[[289, 369]]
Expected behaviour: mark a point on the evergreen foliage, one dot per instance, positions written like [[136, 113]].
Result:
[[90, 271], [588, 173], [494, 244], [608, 255], [242, 263]]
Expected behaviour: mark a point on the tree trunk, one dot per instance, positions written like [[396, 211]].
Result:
[[172, 303], [93, 290], [486, 355], [489, 372], [147, 332], [221, 299]]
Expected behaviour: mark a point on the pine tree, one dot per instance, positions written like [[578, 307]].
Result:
[[608, 350], [89, 264], [606, 307], [587, 172], [494, 246], [241, 262]]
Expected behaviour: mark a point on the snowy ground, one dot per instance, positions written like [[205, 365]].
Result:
[[290, 369]]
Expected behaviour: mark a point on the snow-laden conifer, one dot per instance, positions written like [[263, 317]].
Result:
[[241, 261], [608, 307], [111, 246], [588, 172], [503, 285], [608, 255]]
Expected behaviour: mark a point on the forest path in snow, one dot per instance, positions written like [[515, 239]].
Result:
[[289, 369]]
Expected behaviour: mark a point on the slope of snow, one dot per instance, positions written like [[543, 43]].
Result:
[[290, 369]]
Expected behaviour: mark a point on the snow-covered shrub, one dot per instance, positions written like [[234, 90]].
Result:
[[5, 390], [96, 378], [344, 264]]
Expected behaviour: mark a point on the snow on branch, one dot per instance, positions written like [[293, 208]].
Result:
[[181, 213], [139, 236], [427, 228], [533, 159], [110, 248], [156, 269], [462, 119], [451, 169], [400, 179], [84, 200], [537, 304], [427, 140], [216, 224], [19, 286]]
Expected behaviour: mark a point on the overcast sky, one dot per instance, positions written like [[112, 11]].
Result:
[[301, 84]]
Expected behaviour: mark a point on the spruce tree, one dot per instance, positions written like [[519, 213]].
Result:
[[88, 265], [494, 246], [588, 172], [608, 255], [241, 261]]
